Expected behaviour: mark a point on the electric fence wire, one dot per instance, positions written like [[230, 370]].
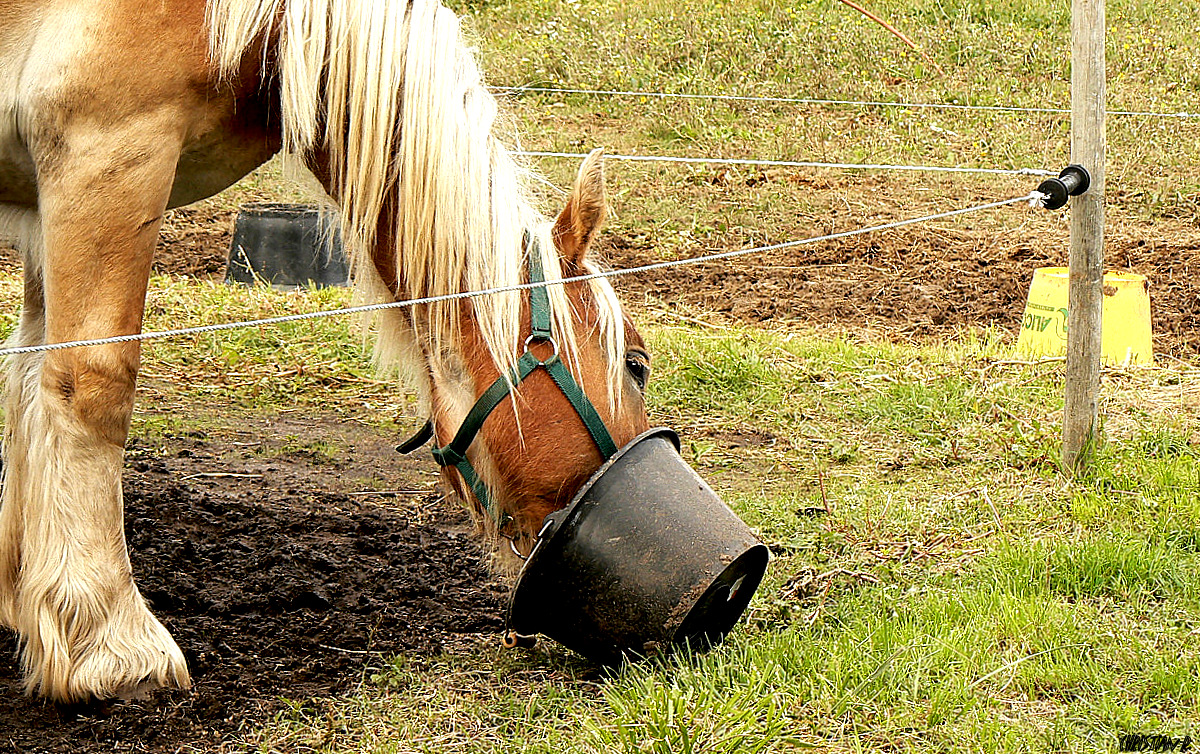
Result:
[[794, 163], [1033, 198], [829, 102]]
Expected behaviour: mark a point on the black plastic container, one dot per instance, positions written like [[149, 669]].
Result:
[[286, 246], [645, 559]]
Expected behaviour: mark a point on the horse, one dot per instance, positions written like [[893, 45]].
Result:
[[112, 112]]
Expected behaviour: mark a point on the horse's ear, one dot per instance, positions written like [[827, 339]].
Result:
[[576, 226]]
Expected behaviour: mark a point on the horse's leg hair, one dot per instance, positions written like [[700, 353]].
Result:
[[21, 228], [85, 629]]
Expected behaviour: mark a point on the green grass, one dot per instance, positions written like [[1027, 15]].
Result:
[[936, 584], [322, 362], [991, 54], [932, 588]]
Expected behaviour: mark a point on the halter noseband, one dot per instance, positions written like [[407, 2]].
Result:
[[455, 452]]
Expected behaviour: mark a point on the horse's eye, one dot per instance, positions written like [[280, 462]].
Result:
[[637, 364]]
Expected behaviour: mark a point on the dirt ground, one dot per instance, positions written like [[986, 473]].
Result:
[[280, 575], [920, 284]]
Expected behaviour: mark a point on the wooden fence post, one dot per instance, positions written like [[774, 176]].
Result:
[[1088, 93]]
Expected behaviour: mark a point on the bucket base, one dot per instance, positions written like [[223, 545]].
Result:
[[721, 605], [286, 246]]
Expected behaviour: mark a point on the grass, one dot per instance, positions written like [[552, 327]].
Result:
[[1000, 55], [299, 364], [936, 584]]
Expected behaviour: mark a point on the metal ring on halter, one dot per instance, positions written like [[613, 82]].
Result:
[[512, 540], [512, 545], [543, 339]]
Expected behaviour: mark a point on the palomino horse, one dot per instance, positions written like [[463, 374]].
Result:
[[111, 111]]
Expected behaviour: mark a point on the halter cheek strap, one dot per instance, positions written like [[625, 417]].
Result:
[[454, 453]]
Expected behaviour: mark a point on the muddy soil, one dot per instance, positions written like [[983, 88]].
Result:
[[279, 575], [916, 284]]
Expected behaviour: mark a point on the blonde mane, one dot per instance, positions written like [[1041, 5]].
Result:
[[389, 91]]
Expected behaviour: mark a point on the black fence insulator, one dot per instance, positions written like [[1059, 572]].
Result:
[[1072, 181]]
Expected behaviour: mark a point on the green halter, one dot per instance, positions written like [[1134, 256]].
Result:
[[455, 453]]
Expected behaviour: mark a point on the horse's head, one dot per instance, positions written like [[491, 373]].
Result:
[[432, 205], [573, 395]]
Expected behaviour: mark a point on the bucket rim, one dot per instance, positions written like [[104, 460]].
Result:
[[287, 209], [1110, 276]]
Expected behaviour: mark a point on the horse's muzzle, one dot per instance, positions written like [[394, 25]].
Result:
[[646, 558]]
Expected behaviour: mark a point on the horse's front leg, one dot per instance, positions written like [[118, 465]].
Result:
[[85, 630]]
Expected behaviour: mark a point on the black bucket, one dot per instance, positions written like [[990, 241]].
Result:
[[286, 246], [646, 558]]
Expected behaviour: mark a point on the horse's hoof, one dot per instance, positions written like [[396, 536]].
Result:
[[135, 656], [132, 674]]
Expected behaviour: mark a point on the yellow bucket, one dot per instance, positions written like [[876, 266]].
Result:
[[1125, 318]]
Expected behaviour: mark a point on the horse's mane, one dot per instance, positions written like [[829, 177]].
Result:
[[389, 91]]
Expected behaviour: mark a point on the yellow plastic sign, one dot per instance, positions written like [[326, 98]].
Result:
[[1125, 318]]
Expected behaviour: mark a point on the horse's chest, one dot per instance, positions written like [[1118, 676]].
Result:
[[88, 87]]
